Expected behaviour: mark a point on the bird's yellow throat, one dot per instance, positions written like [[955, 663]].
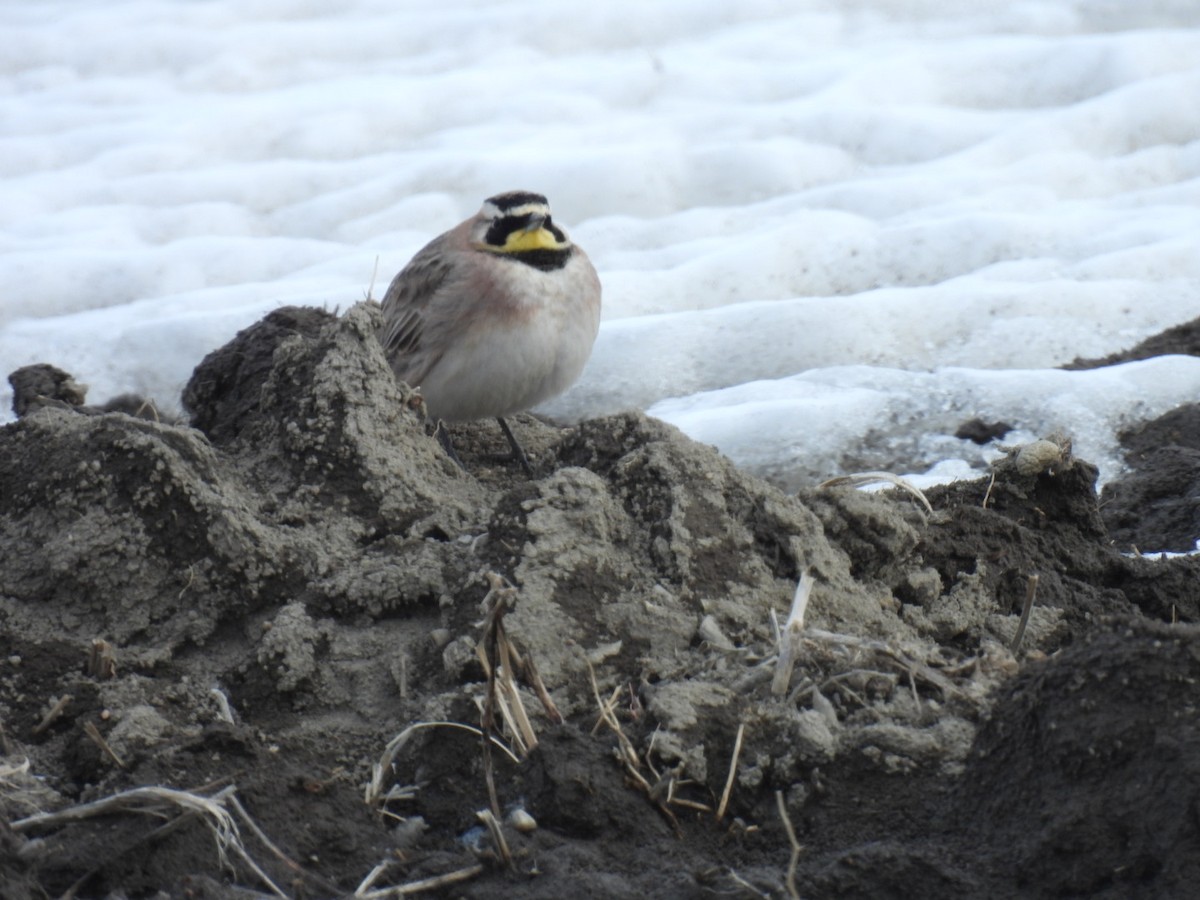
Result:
[[522, 241]]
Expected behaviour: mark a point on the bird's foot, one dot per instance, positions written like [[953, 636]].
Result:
[[517, 452]]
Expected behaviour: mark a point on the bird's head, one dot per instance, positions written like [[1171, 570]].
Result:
[[518, 223]]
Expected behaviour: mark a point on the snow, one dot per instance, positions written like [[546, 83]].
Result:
[[828, 232]]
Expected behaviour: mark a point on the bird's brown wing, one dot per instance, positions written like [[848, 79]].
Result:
[[406, 308]]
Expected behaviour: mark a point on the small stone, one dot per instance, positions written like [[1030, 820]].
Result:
[[522, 821]]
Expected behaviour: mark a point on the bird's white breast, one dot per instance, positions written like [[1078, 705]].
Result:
[[536, 351]]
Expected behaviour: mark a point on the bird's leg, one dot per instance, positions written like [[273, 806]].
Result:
[[442, 433], [517, 452]]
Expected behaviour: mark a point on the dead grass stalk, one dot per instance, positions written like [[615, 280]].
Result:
[[159, 802], [795, 844]]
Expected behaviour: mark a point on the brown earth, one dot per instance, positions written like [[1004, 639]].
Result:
[[304, 575]]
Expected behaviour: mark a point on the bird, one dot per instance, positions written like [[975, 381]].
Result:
[[494, 316]]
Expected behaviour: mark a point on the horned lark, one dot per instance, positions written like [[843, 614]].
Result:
[[494, 316]]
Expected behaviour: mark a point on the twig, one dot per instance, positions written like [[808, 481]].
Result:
[[987, 495], [374, 790], [374, 275], [690, 804], [487, 725], [224, 710], [328, 887], [649, 751], [606, 707], [629, 757], [791, 834], [191, 579], [489, 651], [793, 629], [155, 801], [493, 826], [672, 782], [737, 751], [55, 711], [928, 674], [519, 724], [93, 732], [148, 404], [539, 688], [745, 885], [501, 661], [866, 674], [506, 700], [372, 877], [73, 891], [102, 660], [1030, 591], [425, 884], [7, 770], [862, 479]]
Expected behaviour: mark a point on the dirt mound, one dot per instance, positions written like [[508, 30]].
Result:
[[1157, 506], [1097, 746], [1181, 339], [252, 608]]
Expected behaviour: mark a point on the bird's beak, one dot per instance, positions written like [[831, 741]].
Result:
[[535, 222]]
